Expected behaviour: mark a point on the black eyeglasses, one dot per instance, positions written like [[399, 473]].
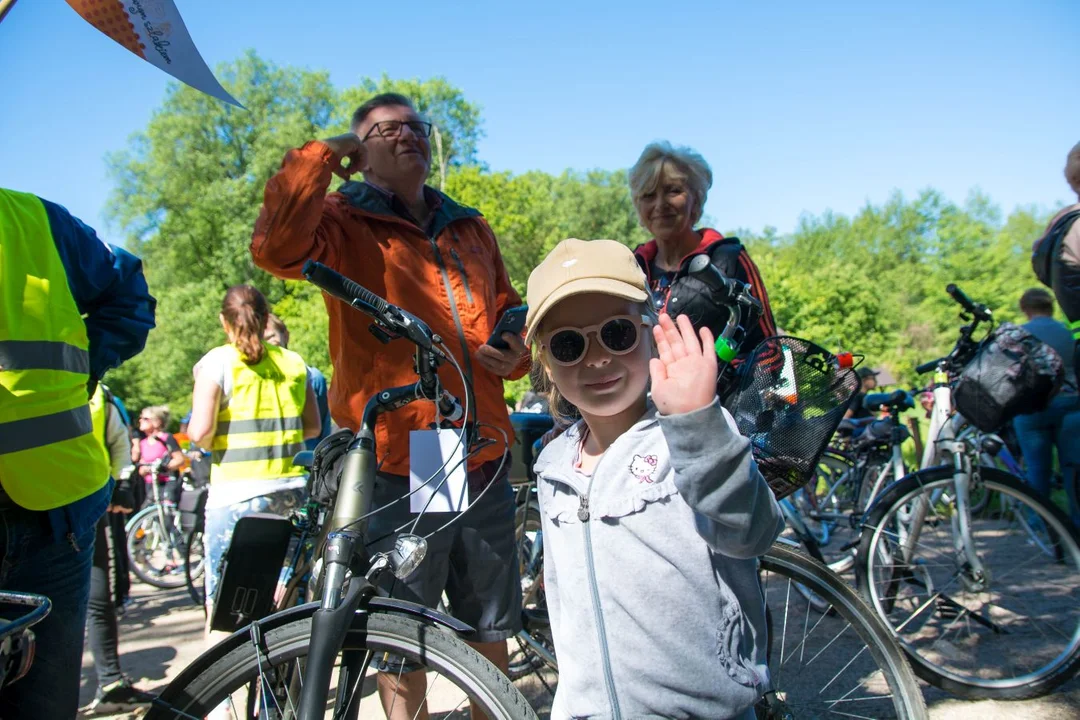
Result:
[[392, 128]]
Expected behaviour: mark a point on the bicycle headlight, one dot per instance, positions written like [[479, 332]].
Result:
[[408, 553]]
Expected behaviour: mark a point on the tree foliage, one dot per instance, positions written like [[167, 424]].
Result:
[[188, 189]]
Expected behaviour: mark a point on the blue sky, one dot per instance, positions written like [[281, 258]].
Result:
[[799, 107]]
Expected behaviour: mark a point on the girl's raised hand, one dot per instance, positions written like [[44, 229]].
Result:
[[684, 376]]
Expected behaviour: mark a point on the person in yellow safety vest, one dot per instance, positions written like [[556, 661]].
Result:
[[115, 692], [71, 308], [253, 407]]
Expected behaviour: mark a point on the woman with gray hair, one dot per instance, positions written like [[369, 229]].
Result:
[[669, 186]]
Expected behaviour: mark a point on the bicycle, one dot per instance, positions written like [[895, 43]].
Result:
[[286, 661], [17, 640], [535, 646], [156, 545], [192, 508], [826, 515], [965, 589]]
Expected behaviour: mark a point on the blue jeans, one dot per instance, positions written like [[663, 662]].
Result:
[[33, 561], [1038, 434]]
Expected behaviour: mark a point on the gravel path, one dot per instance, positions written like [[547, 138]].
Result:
[[162, 632]]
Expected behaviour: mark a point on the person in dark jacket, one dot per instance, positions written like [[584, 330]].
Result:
[[1056, 256], [669, 186], [68, 302]]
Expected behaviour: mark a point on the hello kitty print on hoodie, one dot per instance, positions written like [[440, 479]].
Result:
[[642, 467]]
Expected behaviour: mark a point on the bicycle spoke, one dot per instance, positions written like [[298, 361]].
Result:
[[841, 671]]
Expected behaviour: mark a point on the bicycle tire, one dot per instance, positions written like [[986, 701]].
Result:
[[887, 653], [995, 480], [286, 636], [197, 593], [168, 581]]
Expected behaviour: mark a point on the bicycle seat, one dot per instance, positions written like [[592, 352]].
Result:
[[304, 459], [897, 400]]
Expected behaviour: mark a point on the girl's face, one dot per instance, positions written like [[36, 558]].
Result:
[[601, 383]]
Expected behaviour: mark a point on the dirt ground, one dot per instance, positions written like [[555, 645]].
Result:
[[161, 633]]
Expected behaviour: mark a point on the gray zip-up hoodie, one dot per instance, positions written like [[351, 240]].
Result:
[[650, 570]]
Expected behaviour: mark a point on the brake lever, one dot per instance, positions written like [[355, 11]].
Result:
[[382, 334]]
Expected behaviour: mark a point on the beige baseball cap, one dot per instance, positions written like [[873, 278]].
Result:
[[577, 266]]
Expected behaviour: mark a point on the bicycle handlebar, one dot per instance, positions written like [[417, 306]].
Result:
[[928, 366], [980, 311], [730, 290], [344, 289], [392, 318], [39, 605], [389, 316]]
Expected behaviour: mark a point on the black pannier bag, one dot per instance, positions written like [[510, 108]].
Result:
[[1012, 373]]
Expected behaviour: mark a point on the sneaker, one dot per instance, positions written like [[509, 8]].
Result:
[[118, 697]]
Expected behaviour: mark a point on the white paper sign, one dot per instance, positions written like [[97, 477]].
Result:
[[437, 462], [154, 30]]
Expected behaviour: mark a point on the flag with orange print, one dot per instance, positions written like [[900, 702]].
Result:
[[154, 30]]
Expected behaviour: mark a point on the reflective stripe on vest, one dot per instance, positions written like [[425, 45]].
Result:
[[1075, 327], [49, 456], [261, 428]]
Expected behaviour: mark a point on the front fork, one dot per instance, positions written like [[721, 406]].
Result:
[[975, 572]]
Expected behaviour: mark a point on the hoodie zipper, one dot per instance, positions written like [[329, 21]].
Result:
[[464, 277], [605, 657]]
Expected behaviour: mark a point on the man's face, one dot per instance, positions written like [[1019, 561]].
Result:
[[404, 157], [869, 383]]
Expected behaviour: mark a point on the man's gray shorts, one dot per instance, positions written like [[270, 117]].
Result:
[[474, 560]]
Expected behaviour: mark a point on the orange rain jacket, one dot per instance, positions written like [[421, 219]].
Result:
[[452, 277]]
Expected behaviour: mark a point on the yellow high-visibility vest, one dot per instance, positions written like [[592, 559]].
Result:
[[262, 426], [49, 455]]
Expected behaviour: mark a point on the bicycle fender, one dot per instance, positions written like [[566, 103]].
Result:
[[385, 604]]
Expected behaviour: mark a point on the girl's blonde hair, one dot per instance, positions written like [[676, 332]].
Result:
[[562, 410]]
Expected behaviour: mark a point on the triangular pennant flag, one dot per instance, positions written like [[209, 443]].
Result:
[[154, 30]]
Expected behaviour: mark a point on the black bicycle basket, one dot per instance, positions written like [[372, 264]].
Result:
[[789, 396]]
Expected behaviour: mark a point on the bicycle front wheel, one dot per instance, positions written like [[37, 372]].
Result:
[[156, 553], [270, 666], [840, 663], [1009, 631]]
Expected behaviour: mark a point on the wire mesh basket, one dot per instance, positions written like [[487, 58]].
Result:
[[788, 399]]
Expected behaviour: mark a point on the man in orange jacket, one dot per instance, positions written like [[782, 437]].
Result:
[[440, 261]]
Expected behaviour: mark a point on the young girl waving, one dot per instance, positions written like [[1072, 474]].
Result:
[[653, 510]]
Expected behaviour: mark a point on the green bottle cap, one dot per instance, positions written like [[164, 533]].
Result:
[[724, 350]]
